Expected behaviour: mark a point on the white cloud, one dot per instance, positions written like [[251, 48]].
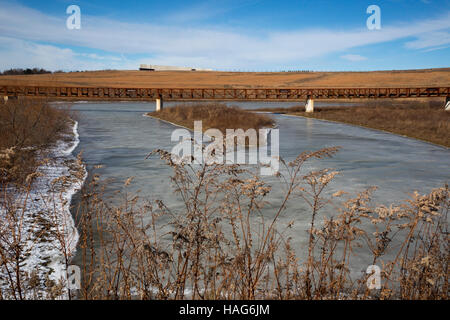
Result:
[[353, 57], [19, 53], [206, 10], [197, 47], [16, 53], [99, 57], [432, 40]]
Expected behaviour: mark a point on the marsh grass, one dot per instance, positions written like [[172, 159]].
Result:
[[27, 128], [221, 247], [423, 120], [214, 115]]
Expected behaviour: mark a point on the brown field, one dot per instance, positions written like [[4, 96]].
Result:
[[198, 79], [419, 119]]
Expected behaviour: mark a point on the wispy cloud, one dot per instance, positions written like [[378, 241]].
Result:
[[431, 40], [16, 53], [198, 47], [206, 10], [353, 57]]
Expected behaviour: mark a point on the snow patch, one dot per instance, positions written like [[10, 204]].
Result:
[[43, 224]]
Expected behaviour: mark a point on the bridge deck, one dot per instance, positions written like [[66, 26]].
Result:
[[89, 93]]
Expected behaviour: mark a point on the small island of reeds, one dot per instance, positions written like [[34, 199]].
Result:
[[214, 115]]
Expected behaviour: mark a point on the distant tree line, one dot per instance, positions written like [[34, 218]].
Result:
[[20, 71]]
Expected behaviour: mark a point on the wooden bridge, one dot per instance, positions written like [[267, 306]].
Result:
[[160, 94]]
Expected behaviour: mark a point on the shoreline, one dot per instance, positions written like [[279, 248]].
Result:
[[49, 231], [365, 127]]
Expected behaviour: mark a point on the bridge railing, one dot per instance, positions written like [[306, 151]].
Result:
[[222, 93]]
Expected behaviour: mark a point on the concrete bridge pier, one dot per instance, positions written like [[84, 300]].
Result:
[[5, 99], [309, 107], [159, 104], [447, 104]]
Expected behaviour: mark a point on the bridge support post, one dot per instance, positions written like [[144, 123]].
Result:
[[309, 107], [447, 104], [159, 104], [5, 99]]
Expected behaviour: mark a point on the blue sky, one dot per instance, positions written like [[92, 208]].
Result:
[[247, 35]]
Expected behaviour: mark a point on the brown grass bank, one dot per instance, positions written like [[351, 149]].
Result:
[[423, 120], [27, 127], [214, 115]]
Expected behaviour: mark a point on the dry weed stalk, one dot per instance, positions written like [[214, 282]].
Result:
[[221, 245]]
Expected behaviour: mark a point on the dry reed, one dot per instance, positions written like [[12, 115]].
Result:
[[220, 246], [214, 115]]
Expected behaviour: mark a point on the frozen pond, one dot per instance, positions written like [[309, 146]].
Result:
[[117, 136]]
